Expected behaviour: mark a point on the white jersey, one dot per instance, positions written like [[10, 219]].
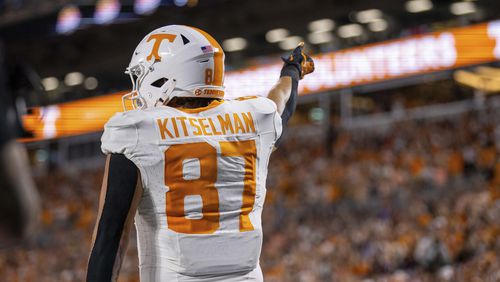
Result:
[[204, 173]]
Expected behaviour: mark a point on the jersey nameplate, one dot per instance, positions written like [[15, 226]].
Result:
[[224, 124]]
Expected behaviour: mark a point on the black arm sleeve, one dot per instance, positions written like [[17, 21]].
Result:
[[293, 72], [121, 185]]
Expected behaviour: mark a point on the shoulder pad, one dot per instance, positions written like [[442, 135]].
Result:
[[260, 104], [120, 133], [125, 119]]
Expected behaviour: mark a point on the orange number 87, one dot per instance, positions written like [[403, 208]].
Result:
[[204, 185], [208, 76]]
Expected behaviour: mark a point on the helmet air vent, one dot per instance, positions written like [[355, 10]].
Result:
[[159, 82], [184, 39]]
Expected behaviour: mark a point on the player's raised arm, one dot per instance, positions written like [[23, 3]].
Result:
[[120, 194], [285, 92]]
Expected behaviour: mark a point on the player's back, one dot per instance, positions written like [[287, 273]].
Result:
[[204, 173]]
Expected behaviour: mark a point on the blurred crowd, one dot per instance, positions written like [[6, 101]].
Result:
[[419, 201], [415, 202]]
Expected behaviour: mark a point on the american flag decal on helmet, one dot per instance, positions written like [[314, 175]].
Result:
[[207, 49]]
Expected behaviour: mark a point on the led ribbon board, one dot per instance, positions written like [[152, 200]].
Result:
[[351, 67], [382, 61], [72, 118]]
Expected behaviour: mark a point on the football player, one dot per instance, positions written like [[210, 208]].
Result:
[[190, 166], [19, 198]]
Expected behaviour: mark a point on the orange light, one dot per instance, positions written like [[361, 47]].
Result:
[[372, 63], [357, 66], [72, 118]]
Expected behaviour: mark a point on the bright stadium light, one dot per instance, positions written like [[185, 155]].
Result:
[[234, 44], [106, 11], [90, 83], [68, 20], [73, 78], [321, 25], [350, 30], [378, 25], [320, 37], [290, 42], [146, 7], [462, 8], [367, 16], [180, 3], [50, 83], [276, 35], [418, 6]]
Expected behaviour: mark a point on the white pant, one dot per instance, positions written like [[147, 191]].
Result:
[[151, 274]]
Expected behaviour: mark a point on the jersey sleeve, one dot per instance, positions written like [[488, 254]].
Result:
[[271, 119], [278, 126], [120, 134]]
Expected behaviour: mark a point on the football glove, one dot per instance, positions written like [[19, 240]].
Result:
[[301, 60]]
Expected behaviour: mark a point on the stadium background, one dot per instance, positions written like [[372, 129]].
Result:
[[389, 172]]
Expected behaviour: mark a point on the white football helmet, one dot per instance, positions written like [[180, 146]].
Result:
[[175, 61]]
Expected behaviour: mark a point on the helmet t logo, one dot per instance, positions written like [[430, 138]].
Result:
[[158, 38]]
